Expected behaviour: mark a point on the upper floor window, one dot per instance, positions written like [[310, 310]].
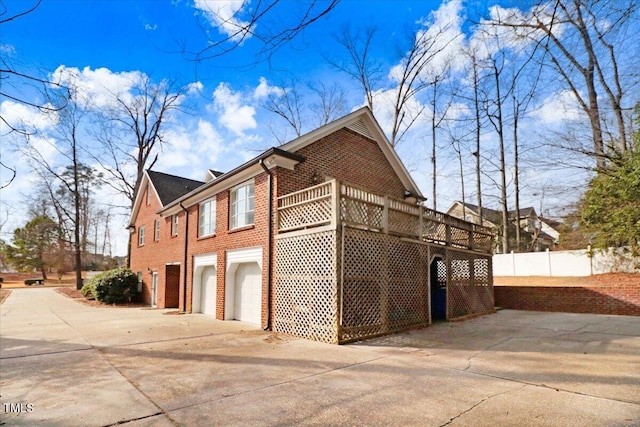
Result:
[[156, 230], [174, 225], [147, 195], [242, 205], [141, 235], [207, 218]]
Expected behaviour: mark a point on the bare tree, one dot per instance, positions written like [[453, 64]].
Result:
[[132, 133], [359, 65], [409, 78], [330, 103], [261, 22], [13, 81], [576, 39], [495, 114], [69, 173], [438, 115], [305, 107]]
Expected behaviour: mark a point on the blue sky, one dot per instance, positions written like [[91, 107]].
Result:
[[108, 41]]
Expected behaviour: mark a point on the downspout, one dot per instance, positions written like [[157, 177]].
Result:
[[186, 246], [269, 231]]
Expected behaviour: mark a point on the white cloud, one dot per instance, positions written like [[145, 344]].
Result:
[[194, 148], [150, 27], [558, 108], [233, 114], [98, 86], [440, 41], [224, 14], [194, 88], [263, 90], [24, 117]]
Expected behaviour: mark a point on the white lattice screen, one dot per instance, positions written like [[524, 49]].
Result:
[[369, 273]]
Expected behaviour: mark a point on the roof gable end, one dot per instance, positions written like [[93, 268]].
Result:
[[363, 122]]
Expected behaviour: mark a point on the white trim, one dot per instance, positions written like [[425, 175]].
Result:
[[200, 262], [214, 209], [233, 204], [235, 257], [154, 289]]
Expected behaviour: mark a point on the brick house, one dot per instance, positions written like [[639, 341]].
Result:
[[212, 247]]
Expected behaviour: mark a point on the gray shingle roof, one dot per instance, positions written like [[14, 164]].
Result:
[[171, 187]]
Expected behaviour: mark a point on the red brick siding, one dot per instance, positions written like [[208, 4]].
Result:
[[344, 155], [154, 256], [347, 156], [225, 239], [612, 299]]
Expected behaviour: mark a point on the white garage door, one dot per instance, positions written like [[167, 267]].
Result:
[[248, 293], [208, 293]]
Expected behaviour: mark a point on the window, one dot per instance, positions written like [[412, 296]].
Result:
[[207, 218], [141, 235], [156, 230], [148, 190], [174, 225], [242, 205]]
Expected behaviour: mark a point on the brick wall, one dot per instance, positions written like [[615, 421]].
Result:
[[225, 239], [155, 255], [347, 156], [344, 155], [612, 299]]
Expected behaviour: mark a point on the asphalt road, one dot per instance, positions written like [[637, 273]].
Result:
[[66, 364]]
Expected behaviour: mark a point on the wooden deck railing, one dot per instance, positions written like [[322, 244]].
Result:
[[331, 203]]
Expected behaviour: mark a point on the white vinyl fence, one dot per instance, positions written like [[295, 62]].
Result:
[[566, 263]]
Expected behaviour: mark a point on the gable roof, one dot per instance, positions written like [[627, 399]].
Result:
[[269, 159], [496, 214], [211, 175], [171, 187], [363, 122], [166, 187]]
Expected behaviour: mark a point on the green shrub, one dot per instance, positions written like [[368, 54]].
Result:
[[115, 286], [88, 290]]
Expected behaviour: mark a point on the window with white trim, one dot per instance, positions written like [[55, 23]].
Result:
[[156, 230], [141, 235], [242, 205], [207, 218], [174, 225]]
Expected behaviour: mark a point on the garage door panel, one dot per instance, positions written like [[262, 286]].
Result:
[[248, 293], [208, 291]]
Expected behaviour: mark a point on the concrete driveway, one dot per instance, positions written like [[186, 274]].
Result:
[[66, 364]]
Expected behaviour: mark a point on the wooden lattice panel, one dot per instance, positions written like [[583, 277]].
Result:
[[385, 284], [307, 214], [459, 237], [470, 287], [363, 284], [403, 223], [355, 211], [309, 208], [408, 285], [306, 300]]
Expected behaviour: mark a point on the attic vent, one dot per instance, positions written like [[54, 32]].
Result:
[[360, 127]]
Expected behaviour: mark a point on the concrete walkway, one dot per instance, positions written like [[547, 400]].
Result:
[[66, 364]]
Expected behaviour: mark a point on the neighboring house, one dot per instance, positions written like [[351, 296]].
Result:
[[539, 236], [233, 246]]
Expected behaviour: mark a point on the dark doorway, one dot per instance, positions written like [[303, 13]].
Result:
[[438, 280], [172, 287]]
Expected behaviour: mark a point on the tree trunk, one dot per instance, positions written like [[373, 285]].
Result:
[[516, 172]]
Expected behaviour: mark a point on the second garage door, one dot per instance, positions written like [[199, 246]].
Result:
[[208, 294], [248, 293]]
